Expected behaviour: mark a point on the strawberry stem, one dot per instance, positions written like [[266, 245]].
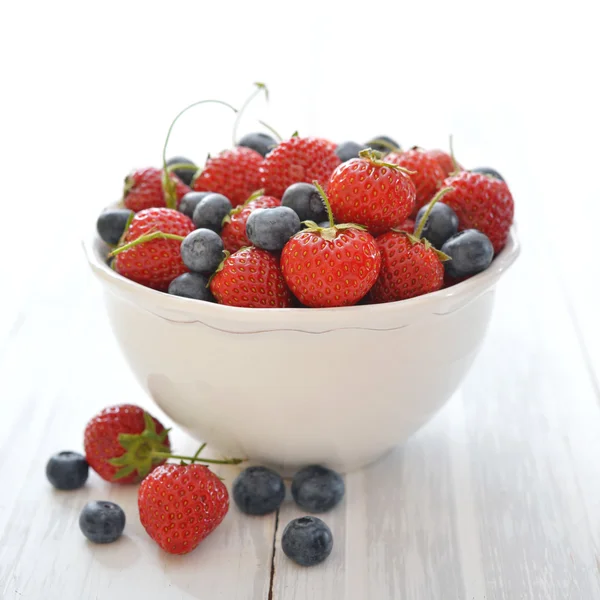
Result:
[[385, 144], [272, 130], [325, 202], [434, 200], [374, 158], [455, 165], [260, 87], [147, 238], [192, 459]]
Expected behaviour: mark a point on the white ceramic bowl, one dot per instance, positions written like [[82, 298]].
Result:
[[290, 387]]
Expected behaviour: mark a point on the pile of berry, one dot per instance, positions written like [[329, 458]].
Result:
[[307, 222]]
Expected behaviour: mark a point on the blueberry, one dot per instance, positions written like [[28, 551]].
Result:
[[258, 491], [260, 142], [271, 228], [471, 252], [111, 224], [488, 171], [304, 198], [383, 143], [317, 489], [202, 251], [67, 470], [307, 541], [190, 201], [441, 224], [210, 212], [185, 174], [102, 522], [348, 150], [191, 285]]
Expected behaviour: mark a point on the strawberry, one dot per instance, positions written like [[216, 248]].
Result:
[[445, 161], [251, 278], [103, 442], [330, 266], [144, 189], [483, 203], [408, 226], [233, 173], [180, 505], [150, 254], [298, 160], [427, 173], [233, 232], [370, 192]]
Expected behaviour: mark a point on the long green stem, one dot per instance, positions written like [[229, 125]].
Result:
[[272, 130], [421, 224], [147, 238], [199, 451], [325, 202], [260, 87], [211, 461]]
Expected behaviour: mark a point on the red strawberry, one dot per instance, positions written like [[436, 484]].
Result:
[[372, 193], [427, 174], [251, 278], [147, 256], [483, 203], [298, 160], [233, 233], [103, 442], [180, 505], [444, 160], [144, 189], [408, 226], [233, 173]]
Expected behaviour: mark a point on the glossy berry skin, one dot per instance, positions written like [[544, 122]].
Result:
[[471, 252], [305, 200], [427, 176], [191, 285], [233, 173], [202, 251], [67, 470], [101, 438], [324, 272], [210, 211], [102, 522], [186, 175], [307, 541], [317, 489], [180, 505], [488, 171], [258, 491], [383, 143], [407, 269], [298, 159], [233, 232], [441, 224], [444, 160], [157, 262], [190, 201], [371, 194], [483, 203], [408, 226], [259, 142], [251, 278], [271, 228], [348, 150], [111, 224], [144, 189]]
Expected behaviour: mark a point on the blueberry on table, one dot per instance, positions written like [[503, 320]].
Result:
[[307, 541], [102, 522], [67, 470], [202, 251], [383, 143], [111, 224], [347, 150], [258, 491], [441, 224], [305, 200], [470, 251], [317, 489], [210, 211], [186, 172], [189, 202], [271, 228], [259, 142], [191, 285], [488, 171]]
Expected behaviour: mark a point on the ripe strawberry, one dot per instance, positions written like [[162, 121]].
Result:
[[180, 505], [112, 435], [408, 226], [370, 192], [251, 278], [427, 173], [483, 203], [444, 160], [233, 173], [298, 160], [144, 189], [151, 253], [233, 232]]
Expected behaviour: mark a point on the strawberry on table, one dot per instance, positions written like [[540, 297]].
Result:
[[144, 189]]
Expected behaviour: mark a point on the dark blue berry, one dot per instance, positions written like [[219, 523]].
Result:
[[307, 541], [304, 199], [260, 142], [202, 251], [102, 522], [383, 143], [271, 228], [185, 174], [210, 212], [111, 224], [67, 470], [488, 171], [191, 285], [317, 489], [190, 201], [471, 252], [348, 150], [441, 224], [258, 491]]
